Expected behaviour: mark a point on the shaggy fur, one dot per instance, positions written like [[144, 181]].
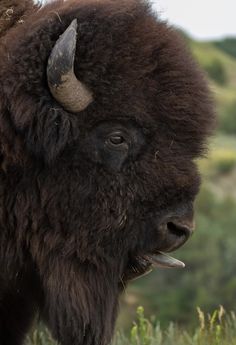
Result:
[[68, 226]]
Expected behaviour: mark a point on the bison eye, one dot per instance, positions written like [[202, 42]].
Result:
[[116, 140]]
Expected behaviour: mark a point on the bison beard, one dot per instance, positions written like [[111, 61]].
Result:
[[102, 114]]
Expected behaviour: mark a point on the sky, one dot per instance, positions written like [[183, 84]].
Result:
[[203, 19]]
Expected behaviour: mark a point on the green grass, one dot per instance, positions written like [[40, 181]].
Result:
[[218, 328]]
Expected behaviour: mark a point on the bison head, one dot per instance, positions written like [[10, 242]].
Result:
[[115, 145], [103, 113]]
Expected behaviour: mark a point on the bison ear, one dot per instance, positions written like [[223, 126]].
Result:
[[73, 95]]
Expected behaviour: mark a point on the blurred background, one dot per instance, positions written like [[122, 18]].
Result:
[[209, 279]]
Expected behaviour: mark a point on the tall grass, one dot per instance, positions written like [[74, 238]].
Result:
[[219, 328], [216, 329]]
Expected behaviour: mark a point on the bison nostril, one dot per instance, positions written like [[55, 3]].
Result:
[[179, 230], [174, 232]]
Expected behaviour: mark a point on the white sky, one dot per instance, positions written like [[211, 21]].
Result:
[[203, 19]]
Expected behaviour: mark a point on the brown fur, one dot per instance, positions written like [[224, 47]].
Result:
[[68, 226]]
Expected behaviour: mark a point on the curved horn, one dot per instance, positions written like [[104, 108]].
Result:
[[63, 84]]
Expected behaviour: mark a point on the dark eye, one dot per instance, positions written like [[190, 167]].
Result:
[[116, 140]]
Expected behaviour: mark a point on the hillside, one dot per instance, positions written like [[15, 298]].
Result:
[[228, 45], [220, 66], [218, 59]]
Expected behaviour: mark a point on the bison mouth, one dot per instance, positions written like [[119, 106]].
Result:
[[142, 265], [171, 234]]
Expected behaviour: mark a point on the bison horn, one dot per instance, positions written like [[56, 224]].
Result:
[[63, 84]]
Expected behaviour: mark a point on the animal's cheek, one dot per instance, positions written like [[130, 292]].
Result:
[[111, 161], [180, 179], [114, 163]]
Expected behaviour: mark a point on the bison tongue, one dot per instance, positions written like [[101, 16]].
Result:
[[160, 259]]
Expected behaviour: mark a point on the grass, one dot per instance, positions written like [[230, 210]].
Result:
[[219, 328], [216, 329]]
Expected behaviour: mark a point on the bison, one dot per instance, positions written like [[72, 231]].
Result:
[[102, 115]]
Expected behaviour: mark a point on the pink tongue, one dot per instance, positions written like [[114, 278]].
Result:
[[160, 259]]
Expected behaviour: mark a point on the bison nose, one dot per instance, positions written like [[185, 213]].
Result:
[[176, 231]]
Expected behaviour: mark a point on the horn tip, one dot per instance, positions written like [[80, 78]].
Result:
[[74, 24]]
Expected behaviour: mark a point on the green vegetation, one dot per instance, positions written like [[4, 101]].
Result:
[[228, 45], [228, 123], [218, 328], [217, 72], [218, 59], [40, 336]]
